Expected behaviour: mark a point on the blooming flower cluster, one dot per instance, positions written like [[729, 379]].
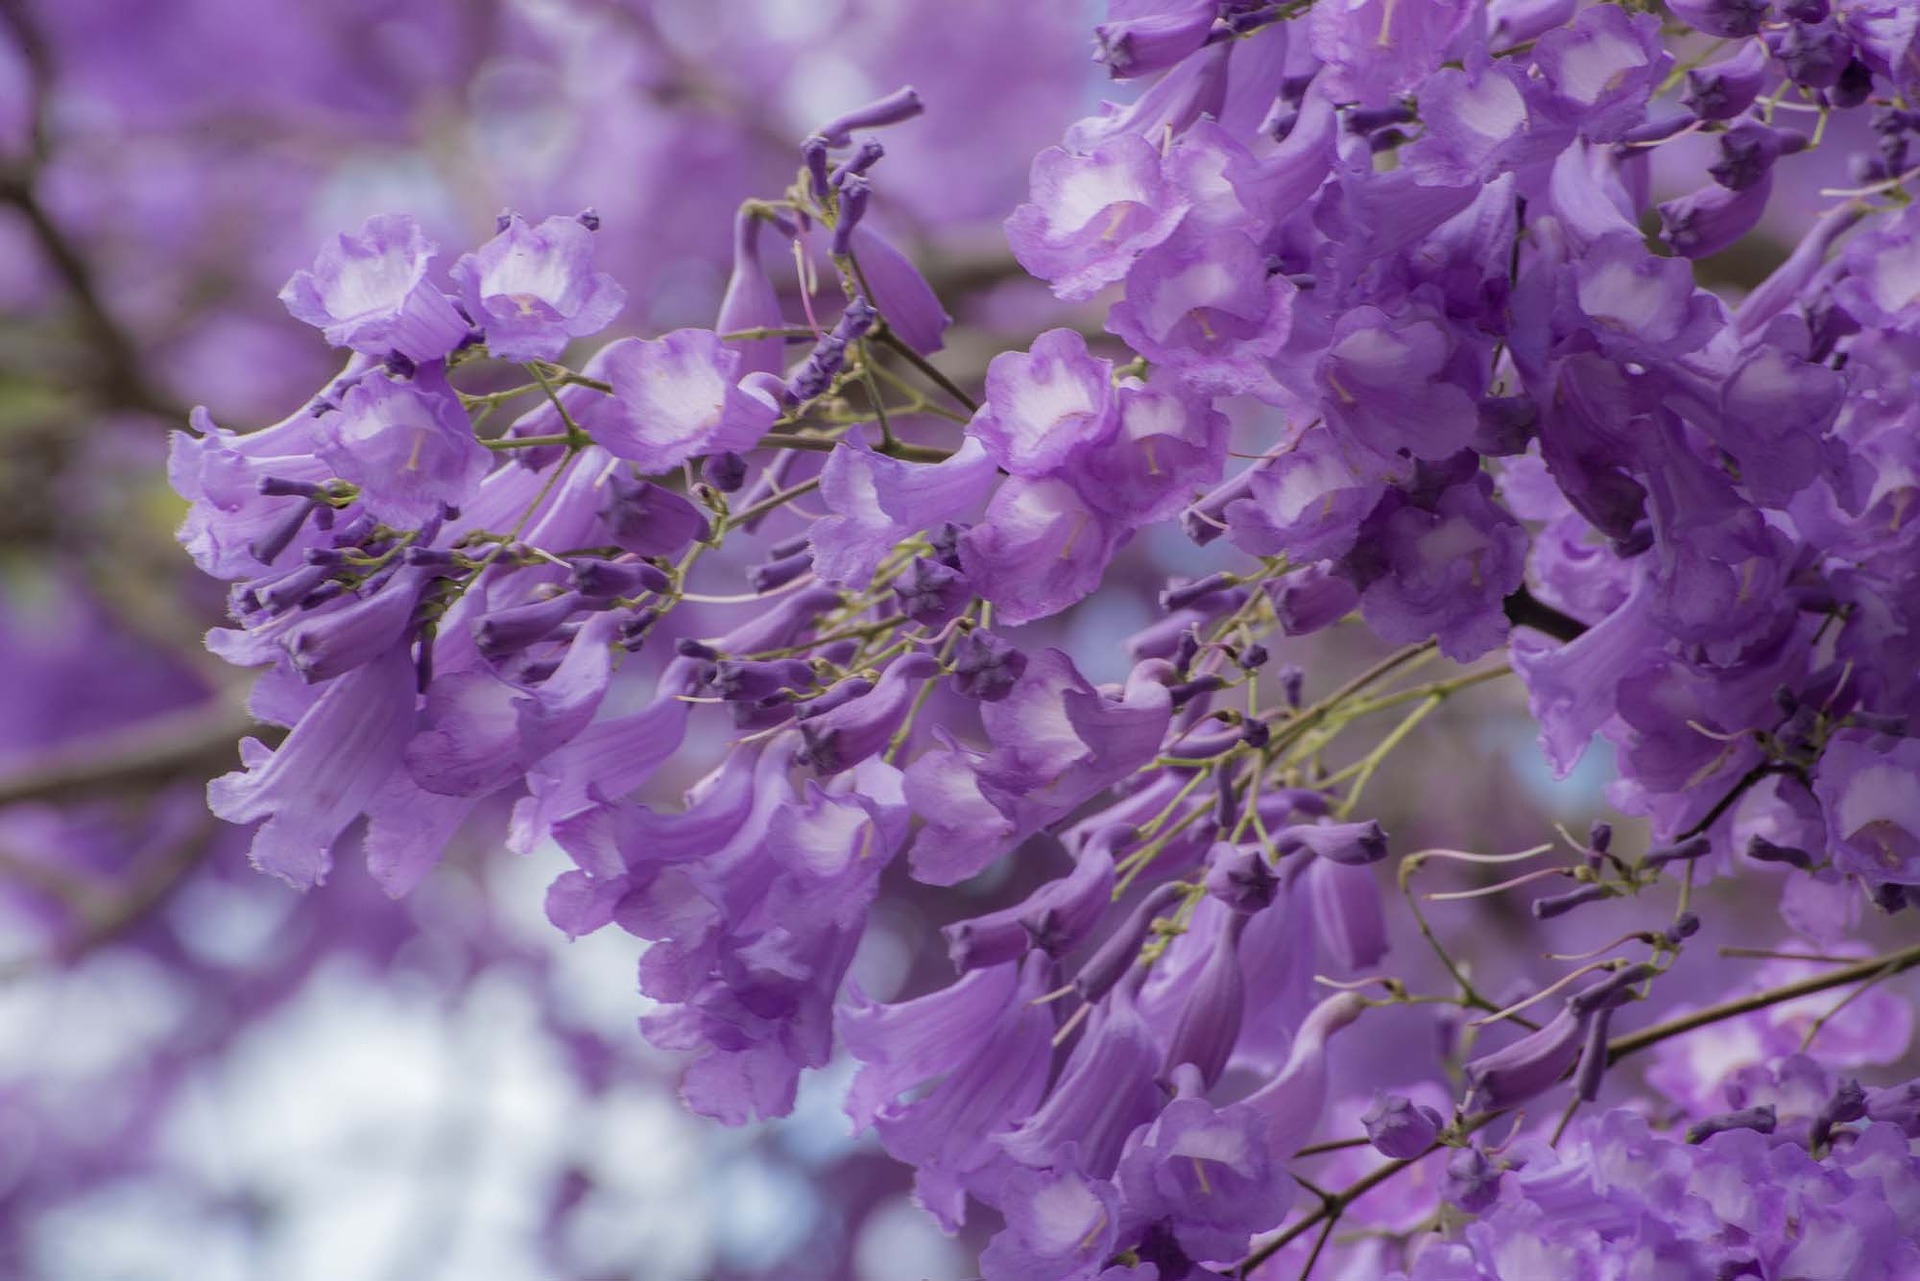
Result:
[[1392, 255]]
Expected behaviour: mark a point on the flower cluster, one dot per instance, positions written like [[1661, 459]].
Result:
[[1394, 253]]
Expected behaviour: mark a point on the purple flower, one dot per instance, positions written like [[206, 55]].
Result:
[[1106, 1089], [1056, 918], [1601, 69], [1170, 442], [322, 777], [1047, 406], [409, 447], [1208, 1025], [984, 1047], [1440, 569], [1393, 385], [963, 831], [1478, 121], [1306, 504], [1712, 218], [530, 289], [751, 301], [1057, 740], [1040, 549], [1204, 304], [1092, 215], [1207, 1173], [370, 292], [676, 397], [900, 293], [1061, 1225], [1347, 915], [877, 503], [1516, 1072], [221, 474], [1375, 49], [839, 739], [1872, 799], [1292, 1102]]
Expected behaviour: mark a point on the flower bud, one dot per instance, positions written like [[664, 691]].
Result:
[[1400, 1128], [1238, 876], [1762, 1119], [1141, 46], [1355, 844]]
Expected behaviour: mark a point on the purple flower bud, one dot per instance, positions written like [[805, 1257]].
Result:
[[1293, 684], [839, 739], [1056, 918], [813, 153], [1685, 852], [865, 156], [1724, 89], [1712, 218], [1593, 1056], [1721, 17], [1110, 963], [1400, 1128], [931, 593], [1187, 594], [604, 579], [985, 667], [1206, 520], [775, 574], [1545, 909], [1854, 86], [1238, 875], [1186, 691], [1355, 844], [327, 645], [1684, 927], [1748, 150], [1613, 990], [1760, 1119], [1848, 1104], [1897, 1105], [648, 520], [1515, 1073], [854, 194], [1472, 1181], [725, 471], [1312, 598], [744, 680], [1812, 53], [509, 631], [1144, 45], [1253, 657], [268, 546], [282, 592], [902, 104]]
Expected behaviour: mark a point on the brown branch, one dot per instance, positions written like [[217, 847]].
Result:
[[194, 742]]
